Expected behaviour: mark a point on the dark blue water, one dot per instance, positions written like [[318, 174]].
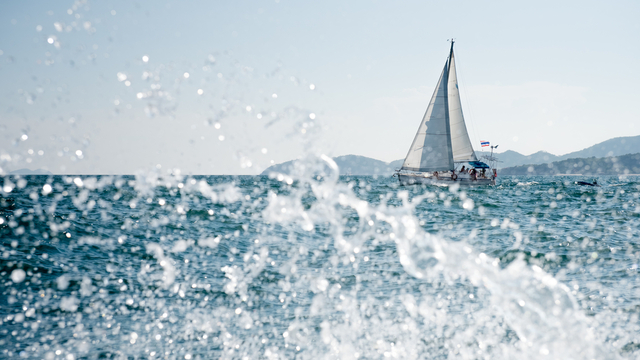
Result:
[[308, 267]]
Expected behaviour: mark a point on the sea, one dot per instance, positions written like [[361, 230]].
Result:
[[314, 265]]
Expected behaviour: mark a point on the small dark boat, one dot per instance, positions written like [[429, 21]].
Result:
[[584, 183]]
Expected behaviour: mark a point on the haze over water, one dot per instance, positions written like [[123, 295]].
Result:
[[315, 266]]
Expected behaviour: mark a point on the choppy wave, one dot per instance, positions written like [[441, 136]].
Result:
[[528, 183], [313, 265]]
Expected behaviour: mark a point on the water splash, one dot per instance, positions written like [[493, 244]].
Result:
[[306, 265]]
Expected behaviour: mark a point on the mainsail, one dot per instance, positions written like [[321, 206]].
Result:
[[442, 137], [431, 148]]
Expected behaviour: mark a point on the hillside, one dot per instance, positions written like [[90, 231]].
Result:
[[26, 171], [615, 165], [348, 164], [510, 161], [612, 147], [511, 158]]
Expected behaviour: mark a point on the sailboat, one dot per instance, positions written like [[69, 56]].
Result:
[[441, 152]]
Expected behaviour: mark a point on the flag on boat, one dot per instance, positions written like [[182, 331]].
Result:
[[484, 143]]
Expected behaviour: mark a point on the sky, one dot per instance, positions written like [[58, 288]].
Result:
[[231, 87]]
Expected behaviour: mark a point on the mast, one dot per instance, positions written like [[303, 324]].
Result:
[[446, 107], [451, 55]]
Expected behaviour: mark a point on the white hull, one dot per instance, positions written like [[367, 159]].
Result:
[[411, 179]]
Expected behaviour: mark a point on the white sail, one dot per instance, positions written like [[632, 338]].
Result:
[[443, 140], [460, 143], [431, 147]]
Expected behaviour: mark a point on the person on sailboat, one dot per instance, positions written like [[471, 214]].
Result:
[[463, 169], [474, 174]]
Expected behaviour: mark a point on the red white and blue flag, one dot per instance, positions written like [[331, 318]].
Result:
[[484, 143]]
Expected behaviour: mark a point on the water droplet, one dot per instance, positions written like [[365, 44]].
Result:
[[139, 95], [121, 76], [46, 189], [113, 12], [274, 95], [200, 91], [186, 75], [50, 40], [248, 108], [39, 28], [312, 116], [221, 137], [127, 83], [18, 275], [217, 126], [312, 87], [145, 58], [24, 137], [264, 150]]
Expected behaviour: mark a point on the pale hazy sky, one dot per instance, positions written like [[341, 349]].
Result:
[[557, 76]]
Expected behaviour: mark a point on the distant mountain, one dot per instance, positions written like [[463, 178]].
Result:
[[612, 147], [614, 165], [396, 164], [26, 171], [348, 165], [512, 158], [362, 165]]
